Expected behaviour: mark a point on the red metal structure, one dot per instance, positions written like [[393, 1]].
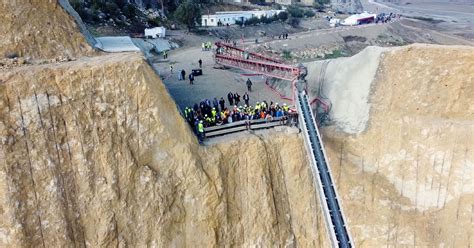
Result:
[[228, 55]]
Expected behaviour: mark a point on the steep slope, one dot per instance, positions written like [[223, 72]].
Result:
[[40, 29], [407, 180], [94, 153]]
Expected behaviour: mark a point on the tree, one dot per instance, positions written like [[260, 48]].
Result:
[[295, 11], [309, 13], [130, 11], [294, 22], [188, 13], [283, 16], [319, 4], [252, 21]]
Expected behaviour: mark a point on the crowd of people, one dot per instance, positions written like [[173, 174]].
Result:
[[212, 112], [206, 46]]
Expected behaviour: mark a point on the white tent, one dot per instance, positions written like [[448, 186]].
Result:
[[155, 32]]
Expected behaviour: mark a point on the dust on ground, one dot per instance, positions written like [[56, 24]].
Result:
[[213, 83]]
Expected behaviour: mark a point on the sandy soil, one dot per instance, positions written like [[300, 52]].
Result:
[[407, 179]]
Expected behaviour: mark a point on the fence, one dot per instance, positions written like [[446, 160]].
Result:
[[244, 125]]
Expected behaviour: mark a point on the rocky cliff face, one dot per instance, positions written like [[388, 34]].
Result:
[[39, 29], [94, 153], [407, 180]]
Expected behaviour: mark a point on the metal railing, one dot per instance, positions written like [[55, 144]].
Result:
[[329, 200], [244, 125]]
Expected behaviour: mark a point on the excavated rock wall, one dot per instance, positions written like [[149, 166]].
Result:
[[408, 179], [39, 29], [94, 153]]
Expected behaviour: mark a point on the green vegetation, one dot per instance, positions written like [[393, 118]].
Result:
[[319, 4], [294, 22], [188, 13], [295, 11], [286, 54], [335, 54], [283, 16], [309, 13]]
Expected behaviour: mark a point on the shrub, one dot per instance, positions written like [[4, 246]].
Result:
[[286, 54], [283, 16], [335, 54], [96, 4], [137, 27], [121, 3], [252, 21], [111, 8], [189, 13], [79, 8], [295, 11], [309, 13], [155, 22], [266, 20], [130, 11], [294, 22], [272, 18]]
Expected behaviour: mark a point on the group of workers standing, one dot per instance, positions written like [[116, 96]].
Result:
[[206, 46], [182, 73], [215, 112]]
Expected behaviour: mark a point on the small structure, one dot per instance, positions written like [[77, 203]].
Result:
[[230, 17], [358, 19], [334, 22], [157, 32]]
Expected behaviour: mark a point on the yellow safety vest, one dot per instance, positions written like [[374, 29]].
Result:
[[200, 128]]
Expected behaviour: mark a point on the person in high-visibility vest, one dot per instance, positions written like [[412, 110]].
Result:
[[285, 108], [186, 113], [200, 131], [213, 112], [257, 106]]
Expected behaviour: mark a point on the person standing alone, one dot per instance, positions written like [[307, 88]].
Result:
[[246, 99], [183, 74], [191, 78], [249, 84], [200, 63]]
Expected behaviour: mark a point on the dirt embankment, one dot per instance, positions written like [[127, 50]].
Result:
[[94, 153], [407, 179], [39, 29]]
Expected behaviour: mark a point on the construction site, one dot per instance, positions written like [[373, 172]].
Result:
[[270, 135]]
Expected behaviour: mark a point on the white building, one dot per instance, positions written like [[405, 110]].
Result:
[[230, 17], [155, 32], [361, 18]]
